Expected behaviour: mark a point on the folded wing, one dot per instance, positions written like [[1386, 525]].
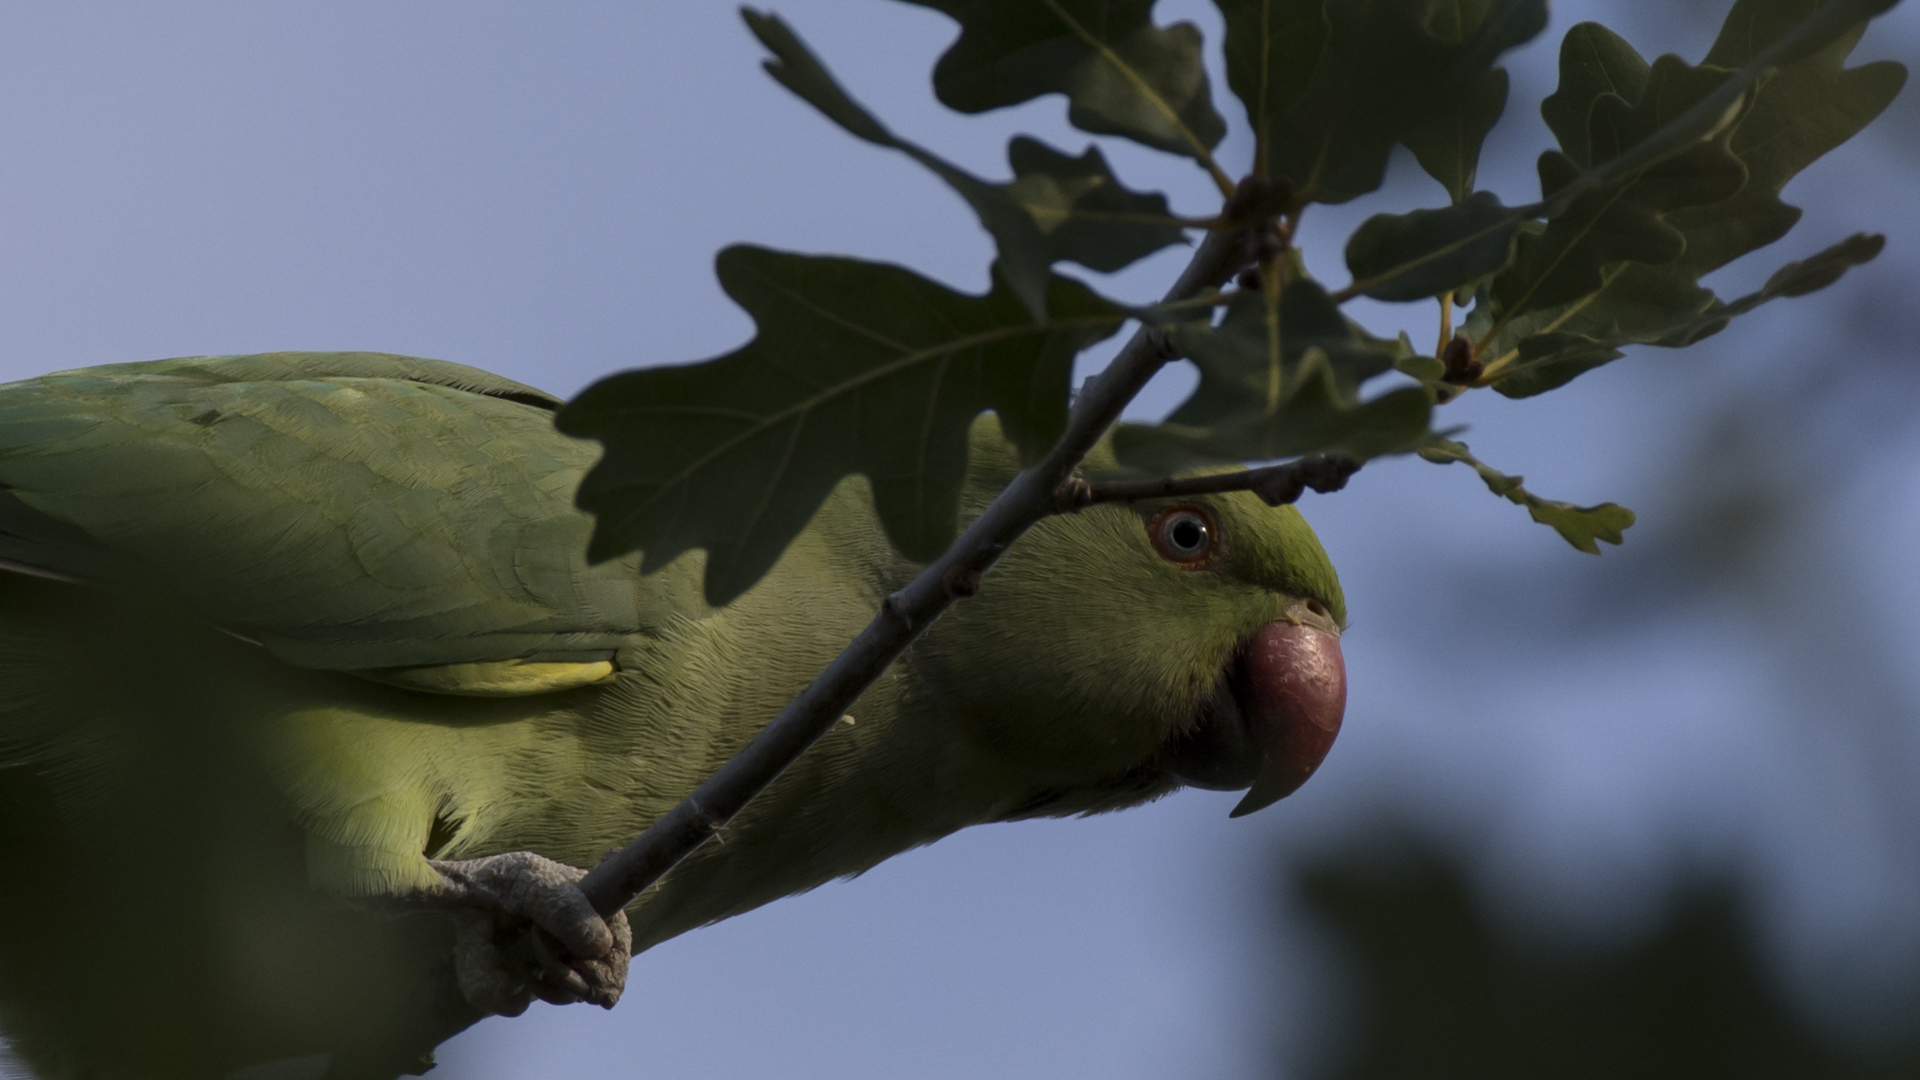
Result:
[[355, 511]]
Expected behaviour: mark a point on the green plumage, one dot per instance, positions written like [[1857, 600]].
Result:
[[284, 626]]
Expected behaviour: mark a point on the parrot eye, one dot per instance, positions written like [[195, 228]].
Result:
[[1184, 534]]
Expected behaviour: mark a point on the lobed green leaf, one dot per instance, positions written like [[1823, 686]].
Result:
[[1594, 61], [856, 368], [1804, 110], [1551, 360], [1645, 306], [1330, 87], [1621, 220], [1816, 272], [1667, 171], [1580, 526], [1470, 94], [1713, 114], [1082, 211], [1636, 303], [1121, 74], [1420, 255], [1332, 144], [1272, 47], [1056, 208]]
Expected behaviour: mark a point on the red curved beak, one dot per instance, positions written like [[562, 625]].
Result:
[[1293, 696]]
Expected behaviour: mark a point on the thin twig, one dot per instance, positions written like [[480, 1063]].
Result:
[[1276, 485], [624, 874]]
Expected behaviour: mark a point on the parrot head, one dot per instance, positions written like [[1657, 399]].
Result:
[[1136, 649]]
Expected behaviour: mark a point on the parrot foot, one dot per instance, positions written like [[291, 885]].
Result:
[[525, 930]]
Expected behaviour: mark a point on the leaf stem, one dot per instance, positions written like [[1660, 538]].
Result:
[[1165, 310]]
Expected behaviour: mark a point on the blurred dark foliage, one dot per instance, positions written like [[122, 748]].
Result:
[[1440, 991]]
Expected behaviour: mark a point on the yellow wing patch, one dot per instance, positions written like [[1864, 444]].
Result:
[[495, 678]]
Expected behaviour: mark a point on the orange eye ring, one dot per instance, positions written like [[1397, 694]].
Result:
[[1186, 535]]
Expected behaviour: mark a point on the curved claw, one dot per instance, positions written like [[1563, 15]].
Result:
[[557, 983]]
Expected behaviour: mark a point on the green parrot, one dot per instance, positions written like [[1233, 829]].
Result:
[[306, 685]]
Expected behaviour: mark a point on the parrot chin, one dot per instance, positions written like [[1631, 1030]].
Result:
[[1271, 722]]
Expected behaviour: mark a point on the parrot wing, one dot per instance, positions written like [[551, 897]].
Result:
[[410, 520]]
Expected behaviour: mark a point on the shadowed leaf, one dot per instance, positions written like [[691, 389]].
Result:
[[1121, 74], [1593, 61], [856, 368], [1083, 213], [1271, 49], [1549, 361], [1332, 144], [1658, 306], [1467, 100], [1815, 273], [1420, 255], [1057, 207], [1635, 303], [1712, 115], [795, 67], [1278, 379], [1329, 88], [1619, 221], [1800, 113], [1639, 202], [1580, 526]]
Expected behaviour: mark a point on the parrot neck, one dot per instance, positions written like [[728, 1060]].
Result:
[[889, 777]]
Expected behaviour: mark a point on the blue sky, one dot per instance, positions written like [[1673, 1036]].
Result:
[[538, 190]]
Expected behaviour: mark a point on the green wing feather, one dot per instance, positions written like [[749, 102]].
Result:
[[344, 510]]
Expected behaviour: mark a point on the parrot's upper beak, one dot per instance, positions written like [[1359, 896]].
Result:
[[1293, 694], [1274, 719]]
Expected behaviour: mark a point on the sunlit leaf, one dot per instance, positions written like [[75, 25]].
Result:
[[1057, 207], [1280, 378], [856, 368], [1580, 526], [1121, 74]]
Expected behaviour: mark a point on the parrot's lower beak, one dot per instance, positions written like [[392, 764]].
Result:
[[1293, 694], [1272, 720]]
